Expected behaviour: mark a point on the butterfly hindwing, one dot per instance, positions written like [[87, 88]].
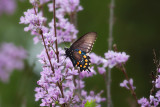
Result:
[[82, 59], [85, 43]]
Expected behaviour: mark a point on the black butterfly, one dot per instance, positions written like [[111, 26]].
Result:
[[78, 52]]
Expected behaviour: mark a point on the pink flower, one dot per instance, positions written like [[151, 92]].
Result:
[[101, 70], [144, 102], [7, 6], [115, 58], [126, 84], [158, 82], [57, 85]]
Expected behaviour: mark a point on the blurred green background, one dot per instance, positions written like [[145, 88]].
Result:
[[136, 31]]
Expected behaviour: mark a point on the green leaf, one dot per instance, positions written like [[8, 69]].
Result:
[[92, 103]]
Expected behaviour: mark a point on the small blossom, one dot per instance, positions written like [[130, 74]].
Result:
[[67, 6], [61, 101], [95, 59], [125, 84], [73, 72], [154, 101], [158, 95], [144, 102], [66, 31], [158, 82], [101, 70], [35, 23], [86, 73], [97, 98]]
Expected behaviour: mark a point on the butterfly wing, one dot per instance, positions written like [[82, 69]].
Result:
[[79, 49], [85, 43]]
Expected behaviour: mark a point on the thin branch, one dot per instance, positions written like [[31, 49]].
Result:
[[73, 18], [55, 32], [57, 53], [122, 68], [107, 84], [110, 40], [41, 33], [154, 75], [111, 18], [52, 68]]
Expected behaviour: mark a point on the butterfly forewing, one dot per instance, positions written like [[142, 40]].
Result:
[[85, 43]]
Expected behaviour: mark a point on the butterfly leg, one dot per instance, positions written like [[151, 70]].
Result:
[[88, 70]]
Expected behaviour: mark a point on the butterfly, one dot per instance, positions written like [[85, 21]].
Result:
[[78, 51]]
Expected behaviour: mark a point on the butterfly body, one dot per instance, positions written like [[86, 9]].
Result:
[[78, 52]]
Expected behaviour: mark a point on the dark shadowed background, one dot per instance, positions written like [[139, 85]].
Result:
[[136, 31]]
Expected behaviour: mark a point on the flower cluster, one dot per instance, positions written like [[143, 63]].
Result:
[[144, 102], [111, 59], [7, 6], [66, 7], [66, 31], [60, 82], [154, 100], [48, 91], [11, 57], [115, 58], [35, 23], [73, 91], [40, 2]]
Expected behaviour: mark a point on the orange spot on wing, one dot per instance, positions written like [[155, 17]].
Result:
[[79, 52], [86, 64], [86, 60], [80, 65], [84, 56]]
